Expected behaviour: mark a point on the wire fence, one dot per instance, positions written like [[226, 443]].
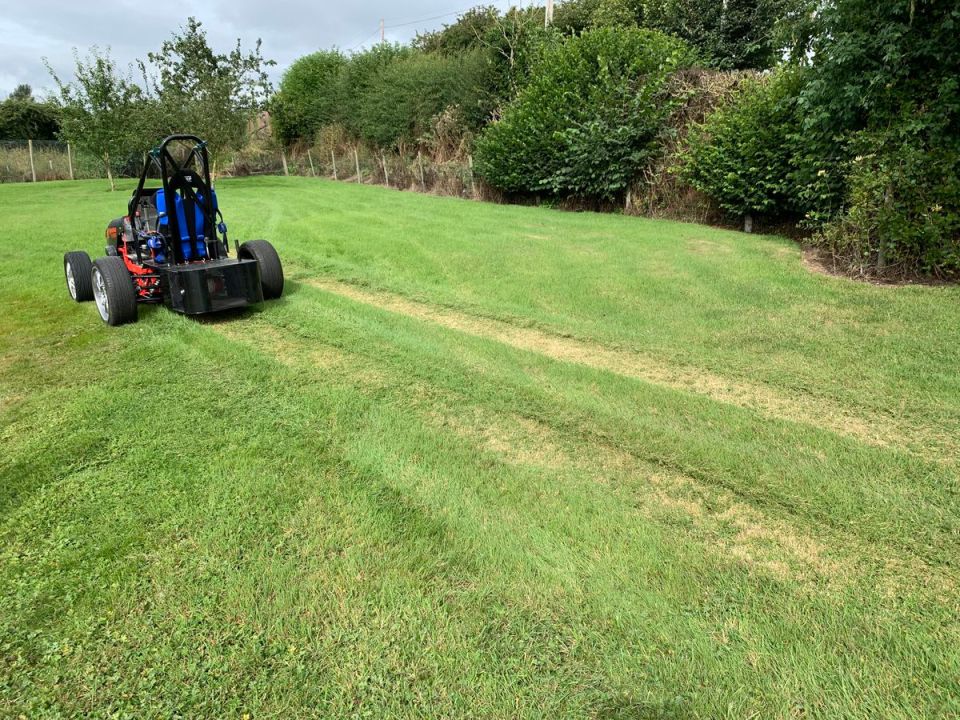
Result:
[[41, 160], [361, 164]]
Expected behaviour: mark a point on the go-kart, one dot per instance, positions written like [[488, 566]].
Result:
[[172, 247]]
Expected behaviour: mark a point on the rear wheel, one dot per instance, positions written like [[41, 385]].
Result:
[[113, 291], [76, 269], [271, 272]]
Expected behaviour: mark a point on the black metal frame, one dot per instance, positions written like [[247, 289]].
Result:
[[214, 282], [194, 185]]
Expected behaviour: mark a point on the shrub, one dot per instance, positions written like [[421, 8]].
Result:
[[359, 78], [741, 155], [307, 98], [402, 97], [21, 119], [903, 212], [515, 44], [736, 34], [589, 119]]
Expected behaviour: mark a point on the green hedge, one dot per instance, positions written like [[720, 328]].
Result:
[[742, 154], [401, 98], [589, 119], [860, 140], [386, 96], [25, 118], [308, 97], [903, 206]]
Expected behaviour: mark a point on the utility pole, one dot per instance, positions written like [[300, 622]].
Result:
[[381, 32], [548, 17]]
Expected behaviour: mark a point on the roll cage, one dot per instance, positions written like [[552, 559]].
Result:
[[184, 183]]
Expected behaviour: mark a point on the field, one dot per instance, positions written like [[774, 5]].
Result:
[[480, 461]]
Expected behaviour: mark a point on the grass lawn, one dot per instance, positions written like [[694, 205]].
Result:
[[479, 461]]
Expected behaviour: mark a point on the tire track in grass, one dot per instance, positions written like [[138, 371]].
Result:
[[732, 529], [875, 430]]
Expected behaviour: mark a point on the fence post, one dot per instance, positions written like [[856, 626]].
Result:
[[333, 159], [310, 158], [356, 159], [69, 160], [473, 187], [33, 170], [283, 156], [423, 184], [386, 175]]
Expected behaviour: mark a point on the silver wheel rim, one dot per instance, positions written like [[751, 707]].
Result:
[[71, 283], [100, 295]]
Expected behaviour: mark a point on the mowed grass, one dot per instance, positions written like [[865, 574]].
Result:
[[480, 461]]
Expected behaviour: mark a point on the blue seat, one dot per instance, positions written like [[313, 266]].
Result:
[[185, 244]]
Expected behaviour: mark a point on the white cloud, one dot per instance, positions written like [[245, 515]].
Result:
[[30, 31]]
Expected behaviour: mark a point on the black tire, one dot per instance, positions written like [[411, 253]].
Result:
[[271, 271], [113, 291], [76, 271]]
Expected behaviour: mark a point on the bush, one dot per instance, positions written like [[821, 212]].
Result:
[[22, 119], [307, 98], [903, 213], [741, 156], [589, 119], [882, 118], [358, 79], [402, 97]]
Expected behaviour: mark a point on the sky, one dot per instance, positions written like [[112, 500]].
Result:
[[31, 30]]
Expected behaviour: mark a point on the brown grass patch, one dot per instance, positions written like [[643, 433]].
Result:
[[707, 247], [721, 521], [728, 527], [874, 430]]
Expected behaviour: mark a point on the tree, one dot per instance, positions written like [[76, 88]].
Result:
[[22, 92], [516, 39], [881, 129], [733, 34], [512, 42], [728, 34], [464, 34], [212, 95], [22, 117], [876, 66], [102, 109]]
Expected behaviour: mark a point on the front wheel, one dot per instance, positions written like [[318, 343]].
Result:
[[113, 291], [271, 272], [76, 269]]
